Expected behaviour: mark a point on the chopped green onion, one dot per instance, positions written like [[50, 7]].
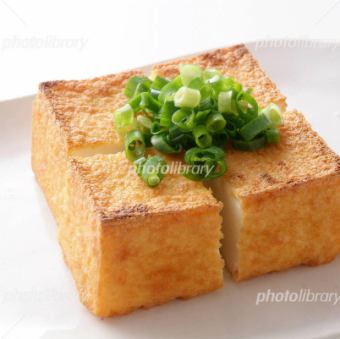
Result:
[[272, 136], [184, 119], [202, 137], [189, 73], [161, 143], [148, 102], [176, 136], [224, 101], [246, 105], [152, 170], [138, 164], [144, 121], [136, 84], [210, 73], [201, 116], [205, 164], [135, 103], [220, 139], [134, 145], [187, 97], [221, 84], [197, 83], [273, 113], [166, 112], [252, 145], [254, 127], [159, 82], [197, 112], [156, 128], [124, 119], [215, 123], [168, 91]]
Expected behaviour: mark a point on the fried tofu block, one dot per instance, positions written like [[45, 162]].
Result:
[[128, 246], [131, 246], [281, 203], [73, 118], [237, 62]]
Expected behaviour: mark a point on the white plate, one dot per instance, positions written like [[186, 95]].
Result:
[[38, 297]]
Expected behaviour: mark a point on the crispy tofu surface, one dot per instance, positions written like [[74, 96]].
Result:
[[281, 203], [127, 245], [237, 62], [133, 246], [83, 109]]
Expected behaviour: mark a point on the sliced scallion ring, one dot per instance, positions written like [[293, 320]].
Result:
[[161, 143], [274, 115], [153, 170], [124, 119], [215, 123], [224, 101], [187, 97], [202, 136], [134, 145], [254, 127], [189, 73]]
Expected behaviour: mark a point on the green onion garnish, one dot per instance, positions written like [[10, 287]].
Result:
[[202, 137], [215, 123], [124, 119], [189, 73], [134, 145], [197, 112], [151, 170], [187, 97], [272, 136], [161, 143], [254, 127], [224, 101], [205, 164], [137, 84], [273, 113], [184, 119]]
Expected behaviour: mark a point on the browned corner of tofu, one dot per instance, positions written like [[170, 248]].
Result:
[[290, 198], [235, 61]]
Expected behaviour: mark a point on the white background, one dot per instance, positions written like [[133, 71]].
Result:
[[45, 40]]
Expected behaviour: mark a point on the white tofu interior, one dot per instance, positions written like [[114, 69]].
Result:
[[232, 221], [90, 150]]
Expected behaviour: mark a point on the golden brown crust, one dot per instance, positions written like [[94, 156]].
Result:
[[119, 193], [300, 156], [290, 226], [289, 199], [131, 246], [153, 259], [84, 109], [237, 62]]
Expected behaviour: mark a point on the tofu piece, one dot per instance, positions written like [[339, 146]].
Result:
[[131, 246], [237, 62], [281, 203], [127, 245], [73, 118]]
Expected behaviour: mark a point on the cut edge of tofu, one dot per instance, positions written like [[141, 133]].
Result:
[[232, 218]]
